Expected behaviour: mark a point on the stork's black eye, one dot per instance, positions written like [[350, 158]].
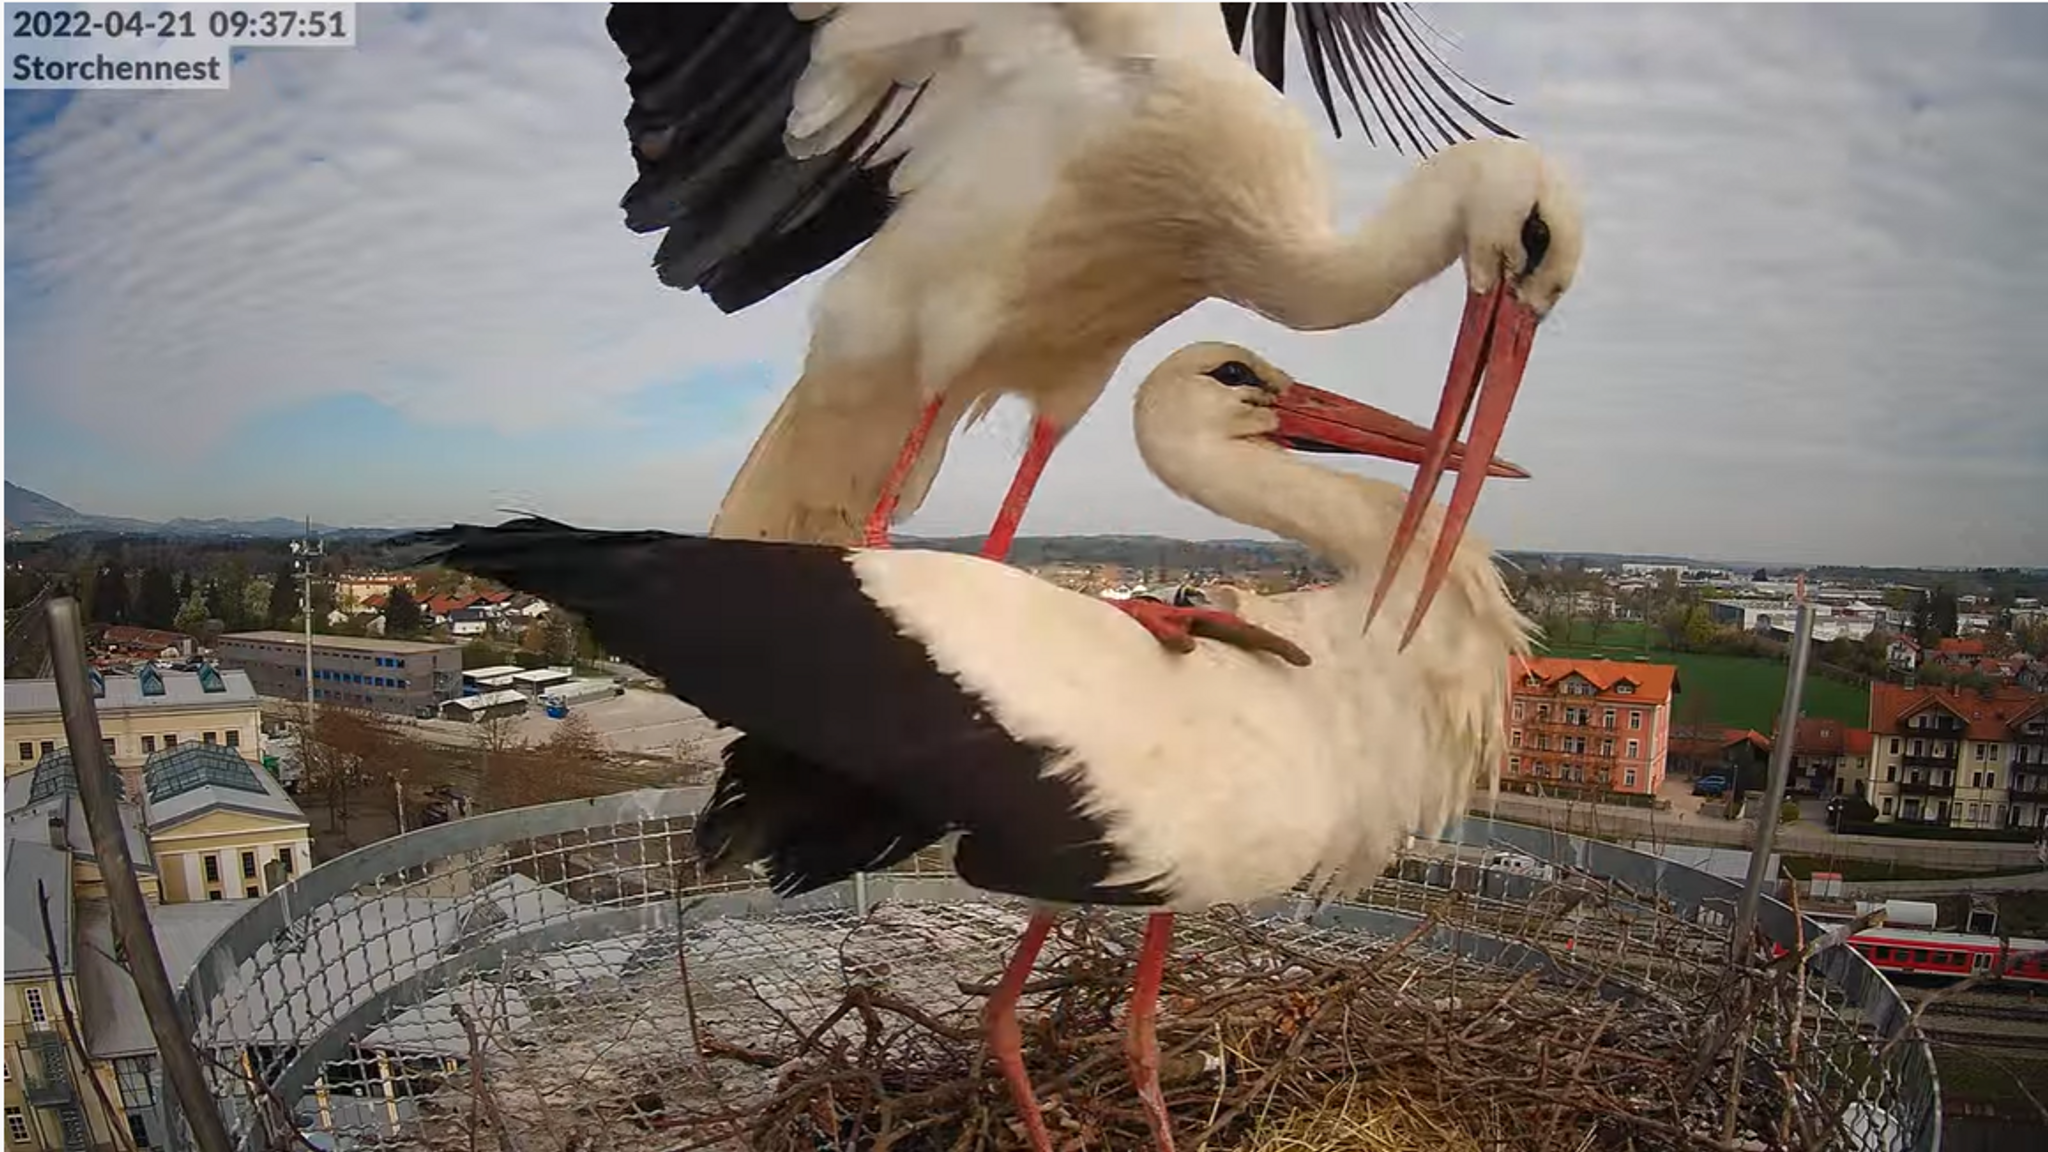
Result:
[[1236, 374], [1535, 240]]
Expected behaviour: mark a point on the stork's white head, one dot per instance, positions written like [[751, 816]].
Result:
[[1213, 394], [1521, 217], [1522, 242]]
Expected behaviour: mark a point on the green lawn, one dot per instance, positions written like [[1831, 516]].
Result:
[[1741, 691]]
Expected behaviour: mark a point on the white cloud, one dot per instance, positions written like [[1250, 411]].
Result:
[[1807, 325]]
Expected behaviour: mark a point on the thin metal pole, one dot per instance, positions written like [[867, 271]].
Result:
[[97, 795], [1781, 771]]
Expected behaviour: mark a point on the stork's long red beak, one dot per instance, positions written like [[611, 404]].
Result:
[[1493, 346], [1312, 420]]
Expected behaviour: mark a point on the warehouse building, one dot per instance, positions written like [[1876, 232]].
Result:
[[396, 676]]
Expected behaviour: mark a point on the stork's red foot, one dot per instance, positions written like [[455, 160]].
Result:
[[1178, 628]]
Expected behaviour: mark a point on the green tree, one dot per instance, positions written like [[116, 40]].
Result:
[[192, 613], [110, 595], [558, 640], [157, 598], [216, 602], [284, 598], [401, 613]]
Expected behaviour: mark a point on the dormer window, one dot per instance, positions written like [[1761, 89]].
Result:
[[99, 683], [1624, 688], [209, 679], [150, 680]]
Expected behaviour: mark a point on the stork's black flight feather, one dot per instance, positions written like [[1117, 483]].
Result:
[[858, 749], [712, 86]]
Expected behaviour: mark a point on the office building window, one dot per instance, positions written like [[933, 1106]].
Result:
[[1635, 719], [38, 1012], [170, 740], [209, 737], [148, 745], [138, 1129], [107, 746], [213, 895], [28, 750], [134, 1073], [49, 747], [248, 865], [17, 1126], [284, 857], [1635, 749], [1628, 778], [251, 892], [210, 865], [234, 737]]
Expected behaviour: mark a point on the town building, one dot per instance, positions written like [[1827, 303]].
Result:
[[1588, 726], [81, 1067], [129, 642], [1827, 757], [1959, 758], [382, 675], [1740, 756], [140, 715]]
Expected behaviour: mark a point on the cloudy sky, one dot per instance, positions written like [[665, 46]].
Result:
[[389, 285]]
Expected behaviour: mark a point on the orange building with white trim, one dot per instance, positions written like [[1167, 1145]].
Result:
[[1586, 727]]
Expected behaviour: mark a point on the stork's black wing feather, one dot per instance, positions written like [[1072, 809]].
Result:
[[837, 704], [712, 86], [1374, 52]]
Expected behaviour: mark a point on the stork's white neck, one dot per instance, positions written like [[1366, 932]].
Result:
[[1310, 277], [1344, 518]]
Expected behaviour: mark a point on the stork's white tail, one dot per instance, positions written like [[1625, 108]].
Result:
[[818, 468]]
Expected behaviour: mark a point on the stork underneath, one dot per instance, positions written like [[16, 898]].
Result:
[[889, 698], [1032, 188]]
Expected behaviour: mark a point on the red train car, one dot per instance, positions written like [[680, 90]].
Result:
[[1909, 952]]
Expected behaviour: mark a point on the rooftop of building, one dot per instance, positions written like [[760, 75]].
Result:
[[191, 780], [1987, 714], [1650, 683], [111, 1008], [348, 643], [149, 687], [31, 862]]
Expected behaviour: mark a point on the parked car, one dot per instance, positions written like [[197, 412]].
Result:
[[1710, 785]]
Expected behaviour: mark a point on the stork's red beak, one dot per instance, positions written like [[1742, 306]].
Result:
[[1493, 346], [1312, 420]]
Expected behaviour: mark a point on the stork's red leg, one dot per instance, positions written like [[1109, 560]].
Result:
[[1141, 1041], [1044, 438], [999, 1017], [1178, 627], [877, 534]]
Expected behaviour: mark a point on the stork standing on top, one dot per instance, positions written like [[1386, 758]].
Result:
[[1038, 186], [890, 698]]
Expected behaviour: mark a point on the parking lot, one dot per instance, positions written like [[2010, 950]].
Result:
[[653, 723]]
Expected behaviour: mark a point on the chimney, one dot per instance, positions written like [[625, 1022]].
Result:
[[58, 837]]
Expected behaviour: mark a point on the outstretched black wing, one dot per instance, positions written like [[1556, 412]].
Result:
[[712, 86], [845, 716], [1375, 52]]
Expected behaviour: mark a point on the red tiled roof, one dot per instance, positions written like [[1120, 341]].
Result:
[[1710, 739], [443, 605], [1856, 742], [1986, 716], [131, 636], [1818, 736], [1957, 646], [1654, 683]]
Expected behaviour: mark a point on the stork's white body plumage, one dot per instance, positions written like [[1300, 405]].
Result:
[[1067, 177], [1229, 773]]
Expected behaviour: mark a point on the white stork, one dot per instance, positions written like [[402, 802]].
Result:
[[1038, 186], [889, 698]]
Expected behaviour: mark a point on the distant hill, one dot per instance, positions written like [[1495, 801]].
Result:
[[32, 515]]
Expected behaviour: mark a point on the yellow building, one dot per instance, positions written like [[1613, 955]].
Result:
[[82, 1072], [140, 715], [209, 832], [217, 823]]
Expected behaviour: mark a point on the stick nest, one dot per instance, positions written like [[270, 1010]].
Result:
[[1272, 1038]]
